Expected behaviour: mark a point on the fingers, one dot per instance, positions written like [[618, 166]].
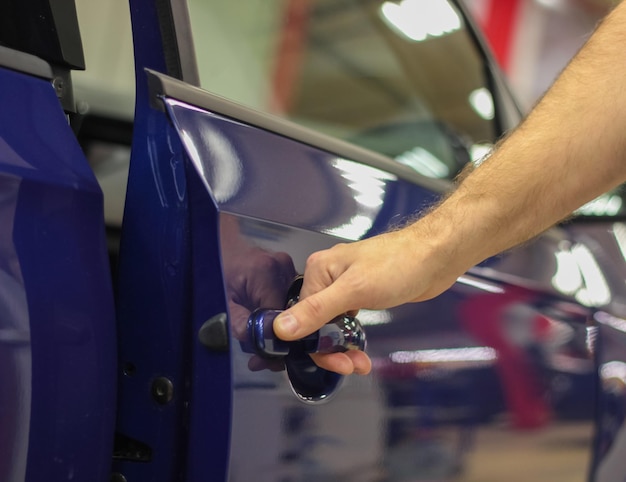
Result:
[[238, 319], [328, 291], [256, 364], [311, 313], [347, 363]]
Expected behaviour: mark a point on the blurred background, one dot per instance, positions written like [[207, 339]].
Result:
[[339, 70], [533, 40]]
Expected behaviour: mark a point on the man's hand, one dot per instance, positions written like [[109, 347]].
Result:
[[552, 164], [255, 278], [378, 273]]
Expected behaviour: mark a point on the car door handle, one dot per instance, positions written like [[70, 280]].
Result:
[[339, 335], [309, 382]]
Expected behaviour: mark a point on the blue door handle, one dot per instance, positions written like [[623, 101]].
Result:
[[339, 335], [309, 382]]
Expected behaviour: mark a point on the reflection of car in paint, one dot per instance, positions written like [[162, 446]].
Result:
[[343, 112]]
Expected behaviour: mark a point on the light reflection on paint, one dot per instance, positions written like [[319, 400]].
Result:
[[377, 317], [567, 278], [368, 190], [424, 162], [604, 205], [446, 355], [480, 152], [614, 369], [482, 103], [226, 167], [591, 338], [193, 152], [482, 285], [418, 19], [579, 274], [362, 173], [353, 229], [610, 320], [619, 231], [596, 291]]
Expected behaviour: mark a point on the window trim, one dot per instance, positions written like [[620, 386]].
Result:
[[161, 86], [177, 40], [181, 60]]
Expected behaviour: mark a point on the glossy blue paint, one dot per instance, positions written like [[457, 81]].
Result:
[[308, 381], [220, 217], [260, 337], [169, 285], [339, 335], [57, 328], [603, 243], [608, 463], [153, 301], [482, 351], [271, 177]]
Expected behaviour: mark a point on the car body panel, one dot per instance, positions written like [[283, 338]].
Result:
[[224, 205], [239, 200], [503, 366], [57, 324], [155, 310]]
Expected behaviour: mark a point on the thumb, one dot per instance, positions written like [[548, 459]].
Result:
[[311, 313]]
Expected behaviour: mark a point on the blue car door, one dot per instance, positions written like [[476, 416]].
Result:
[[224, 205], [57, 326]]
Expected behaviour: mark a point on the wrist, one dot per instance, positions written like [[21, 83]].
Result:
[[462, 231]]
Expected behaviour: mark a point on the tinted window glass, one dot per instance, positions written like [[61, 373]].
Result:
[[356, 70]]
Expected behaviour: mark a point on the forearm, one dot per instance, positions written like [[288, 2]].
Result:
[[570, 149]]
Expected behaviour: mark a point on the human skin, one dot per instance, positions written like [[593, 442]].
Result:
[[570, 149]]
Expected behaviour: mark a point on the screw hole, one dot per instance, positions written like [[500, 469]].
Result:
[[129, 369], [162, 390]]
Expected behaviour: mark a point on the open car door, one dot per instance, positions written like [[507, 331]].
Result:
[[224, 206], [57, 326]]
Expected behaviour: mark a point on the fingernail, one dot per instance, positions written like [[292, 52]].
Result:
[[287, 323]]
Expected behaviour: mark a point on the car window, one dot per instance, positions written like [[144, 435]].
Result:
[[341, 67], [356, 70], [349, 69], [106, 87]]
